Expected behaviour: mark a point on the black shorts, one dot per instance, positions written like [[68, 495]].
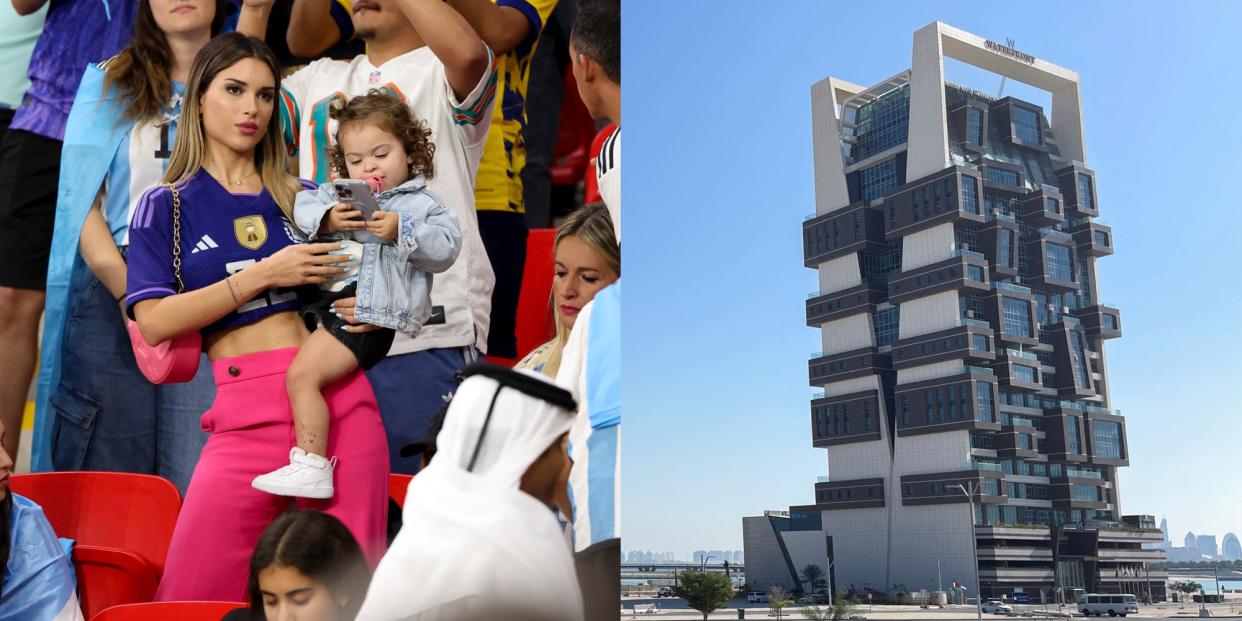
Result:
[[504, 236], [368, 347], [29, 174]]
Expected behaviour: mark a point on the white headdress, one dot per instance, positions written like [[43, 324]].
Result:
[[473, 545]]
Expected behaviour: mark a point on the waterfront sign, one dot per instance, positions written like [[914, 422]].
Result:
[[1008, 50]]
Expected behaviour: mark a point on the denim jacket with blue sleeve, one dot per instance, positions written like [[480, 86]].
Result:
[[394, 279]]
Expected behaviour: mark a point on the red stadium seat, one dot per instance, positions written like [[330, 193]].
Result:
[[397, 484], [163, 611], [534, 315], [590, 192], [135, 512], [574, 139], [111, 576]]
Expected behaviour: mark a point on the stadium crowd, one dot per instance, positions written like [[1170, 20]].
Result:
[[261, 249]]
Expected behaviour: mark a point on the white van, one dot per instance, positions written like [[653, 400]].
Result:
[[757, 597], [1115, 605]]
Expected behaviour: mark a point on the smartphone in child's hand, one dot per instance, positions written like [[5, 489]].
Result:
[[358, 193]]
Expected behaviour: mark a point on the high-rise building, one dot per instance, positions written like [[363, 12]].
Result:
[[963, 334], [1206, 545]]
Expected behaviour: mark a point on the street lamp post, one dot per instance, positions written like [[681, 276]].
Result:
[[970, 495], [703, 565]]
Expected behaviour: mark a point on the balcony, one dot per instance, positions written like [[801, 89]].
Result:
[[1131, 535], [844, 419], [1015, 574], [1100, 320], [1019, 370], [1043, 207], [824, 307], [1005, 531], [941, 488], [947, 404], [953, 195], [1059, 278], [846, 365], [1015, 554], [842, 232], [961, 342], [1080, 195], [852, 494], [951, 274], [1130, 555], [1093, 239], [1012, 444]]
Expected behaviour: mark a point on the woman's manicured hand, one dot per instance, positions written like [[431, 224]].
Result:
[[303, 264]]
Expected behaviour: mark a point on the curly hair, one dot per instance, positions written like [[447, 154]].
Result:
[[391, 114]]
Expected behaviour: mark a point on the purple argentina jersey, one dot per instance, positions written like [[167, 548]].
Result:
[[221, 234], [76, 33]]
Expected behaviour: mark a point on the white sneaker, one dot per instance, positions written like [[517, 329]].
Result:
[[308, 476]]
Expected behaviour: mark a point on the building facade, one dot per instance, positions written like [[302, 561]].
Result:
[[963, 335], [780, 545]]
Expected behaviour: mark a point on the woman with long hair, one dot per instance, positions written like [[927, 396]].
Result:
[[99, 411], [588, 259], [306, 566], [227, 183]]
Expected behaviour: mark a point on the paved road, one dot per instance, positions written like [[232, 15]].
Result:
[[676, 609]]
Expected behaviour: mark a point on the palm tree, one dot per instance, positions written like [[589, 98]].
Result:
[[813, 575]]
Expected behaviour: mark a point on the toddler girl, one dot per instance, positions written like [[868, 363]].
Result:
[[379, 140]]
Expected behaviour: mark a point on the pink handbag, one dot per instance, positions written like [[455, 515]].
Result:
[[176, 360]]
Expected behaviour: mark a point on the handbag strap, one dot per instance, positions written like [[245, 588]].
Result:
[[177, 236]]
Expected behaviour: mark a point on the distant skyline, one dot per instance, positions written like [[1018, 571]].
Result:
[[720, 176]]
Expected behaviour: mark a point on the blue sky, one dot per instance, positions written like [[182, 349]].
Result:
[[719, 177]]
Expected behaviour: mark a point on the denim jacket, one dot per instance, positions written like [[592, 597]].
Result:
[[394, 279]]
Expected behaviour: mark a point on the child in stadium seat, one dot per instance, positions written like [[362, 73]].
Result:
[[378, 139], [305, 563]]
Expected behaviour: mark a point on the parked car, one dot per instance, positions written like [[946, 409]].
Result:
[[756, 597], [994, 607], [666, 592]]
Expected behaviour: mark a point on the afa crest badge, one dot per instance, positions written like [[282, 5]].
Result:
[[251, 231]]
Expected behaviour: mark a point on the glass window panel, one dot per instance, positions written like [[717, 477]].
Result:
[[1024, 373], [886, 324], [1085, 199], [1106, 439], [878, 179], [1026, 124], [983, 392], [882, 124], [1057, 262], [974, 125], [1072, 444], [1017, 317], [1000, 175], [970, 195]]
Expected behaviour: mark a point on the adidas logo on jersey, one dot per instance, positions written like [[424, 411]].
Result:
[[206, 243]]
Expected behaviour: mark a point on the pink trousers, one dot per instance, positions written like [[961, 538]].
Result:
[[251, 430]]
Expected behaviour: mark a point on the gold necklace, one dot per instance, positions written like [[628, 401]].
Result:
[[230, 181], [239, 181]]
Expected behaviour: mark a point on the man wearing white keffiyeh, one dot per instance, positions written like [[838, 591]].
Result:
[[480, 539]]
